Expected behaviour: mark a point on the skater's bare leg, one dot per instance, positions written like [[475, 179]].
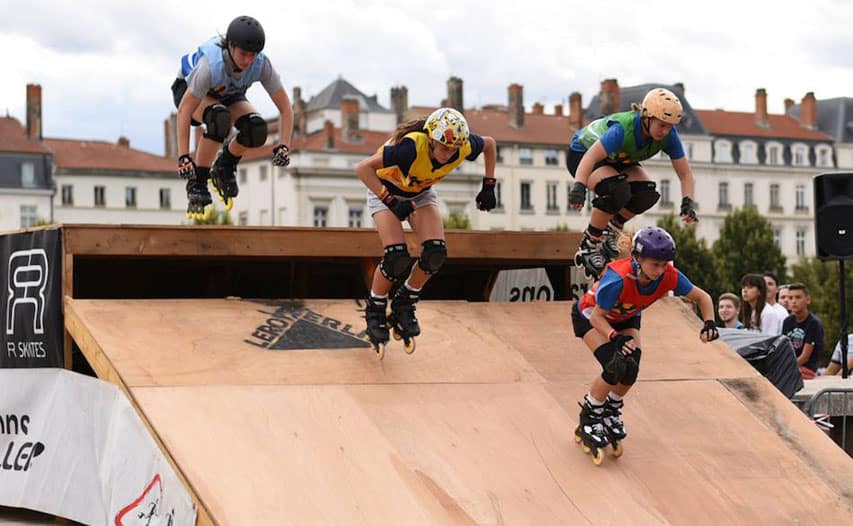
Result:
[[390, 233], [238, 109], [427, 225], [599, 388]]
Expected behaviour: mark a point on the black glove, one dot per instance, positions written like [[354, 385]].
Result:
[[709, 330], [401, 209], [486, 198], [577, 195], [619, 340], [186, 167], [688, 214], [281, 155]]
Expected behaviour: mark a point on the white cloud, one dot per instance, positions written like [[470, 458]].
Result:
[[108, 72]]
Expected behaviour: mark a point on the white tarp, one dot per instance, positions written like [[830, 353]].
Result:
[[527, 284], [74, 447]]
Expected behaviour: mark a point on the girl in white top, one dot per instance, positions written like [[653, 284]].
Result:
[[754, 313]]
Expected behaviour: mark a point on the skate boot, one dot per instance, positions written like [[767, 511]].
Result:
[[222, 176], [404, 324], [377, 324], [610, 243], [589, 257], [198, 200], [590, 433], [613, 425]]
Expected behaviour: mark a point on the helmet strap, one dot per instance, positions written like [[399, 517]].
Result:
[[231, 57], [647, 125]]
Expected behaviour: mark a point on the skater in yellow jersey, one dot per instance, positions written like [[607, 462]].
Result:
[[400, 177], [607, 318]]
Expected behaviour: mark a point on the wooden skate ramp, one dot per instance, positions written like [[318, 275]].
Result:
[[278, 413]]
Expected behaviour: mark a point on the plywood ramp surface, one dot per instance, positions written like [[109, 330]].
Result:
[[274, 420]]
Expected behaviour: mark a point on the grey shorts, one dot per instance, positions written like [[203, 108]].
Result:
[[425, 198]]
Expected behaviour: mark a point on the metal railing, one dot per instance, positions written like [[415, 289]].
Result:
[[821, 420]]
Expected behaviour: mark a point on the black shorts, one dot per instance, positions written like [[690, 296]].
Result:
[[179, 87], [581, 325], [573, 159]]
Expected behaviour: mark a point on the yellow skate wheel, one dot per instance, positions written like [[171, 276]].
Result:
[[617, 449], [395, 335], [577, 435], [229, 203], [208, 213], [597, 457], [409, 347], [586, 448], [379, 349]]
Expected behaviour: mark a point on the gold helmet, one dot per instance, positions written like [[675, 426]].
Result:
[[662, 104], [448, 127]]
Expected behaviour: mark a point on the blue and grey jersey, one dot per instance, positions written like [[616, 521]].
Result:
[[209, 70]]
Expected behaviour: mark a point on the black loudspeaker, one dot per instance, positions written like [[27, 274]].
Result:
[[833, 204]]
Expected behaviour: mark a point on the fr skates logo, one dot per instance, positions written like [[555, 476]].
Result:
[[291, 325], [146, 509], [28, 273]]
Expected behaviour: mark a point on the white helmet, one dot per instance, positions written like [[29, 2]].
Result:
[[448, 127]]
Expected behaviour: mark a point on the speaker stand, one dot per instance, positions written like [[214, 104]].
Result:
[[842, 295]]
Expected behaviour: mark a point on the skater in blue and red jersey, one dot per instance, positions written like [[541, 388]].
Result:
[[607, 318]]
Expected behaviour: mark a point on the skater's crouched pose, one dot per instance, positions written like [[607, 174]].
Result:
[[211, 90], [400, 177], [608, 319]]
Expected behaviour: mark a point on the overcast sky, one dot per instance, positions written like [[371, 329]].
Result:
[[105, 67]]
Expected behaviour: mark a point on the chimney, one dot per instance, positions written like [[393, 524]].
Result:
[[558, 110], [789, 103], [170, 136], [329, 132], [123, 141], [575, 111], [808, 111], [349, 119], [34, 111], [538, 109], [609, 96], [761, 108], [400, 102], [516, 105], [300, 114], [454, 94]]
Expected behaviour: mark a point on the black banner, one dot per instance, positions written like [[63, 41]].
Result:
[[31, 304]]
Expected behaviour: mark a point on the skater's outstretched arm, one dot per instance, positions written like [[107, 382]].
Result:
[[685, 175], [706, 307], [189, 103], [285, 122]]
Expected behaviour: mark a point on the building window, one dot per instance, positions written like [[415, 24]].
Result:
[[355, 217], [263, 173], [665, 198], [748, 197], [551, 190], [264, 217], [777, 237], [28, 216], [824, 157], [130, 197], [498, 195], [723, 151], [67, 195], [525, 156], [774, 154], [774, 198], [499, 154], [552, 157], [800, 193], [723, 196], [28, 175], [166, 198], [243, 175], [801, 242], [748, 153], [688, 150], [525, 197], [321, 215], [801, 155], [100, 196], [243, 218]]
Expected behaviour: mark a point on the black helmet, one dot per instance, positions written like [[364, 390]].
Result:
[[245, 32]]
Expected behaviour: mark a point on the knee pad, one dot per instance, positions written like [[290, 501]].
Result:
[[217, 120], [643, 196], [612, 194], [396, 262], [252, 130], [632, 368], [433, 254], [604, 355]]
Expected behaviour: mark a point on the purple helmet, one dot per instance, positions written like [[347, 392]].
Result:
[[653, 242]]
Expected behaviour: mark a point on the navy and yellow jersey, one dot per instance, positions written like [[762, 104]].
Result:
[[407, 169], [622, 137]]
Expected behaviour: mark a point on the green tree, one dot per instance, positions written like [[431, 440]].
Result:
[[821, 277], [692, 257], [746, 246], [457, 221], [217, 217], [560, 228]]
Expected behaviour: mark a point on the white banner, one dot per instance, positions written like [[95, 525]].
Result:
[[526, 284], [74, 447]]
